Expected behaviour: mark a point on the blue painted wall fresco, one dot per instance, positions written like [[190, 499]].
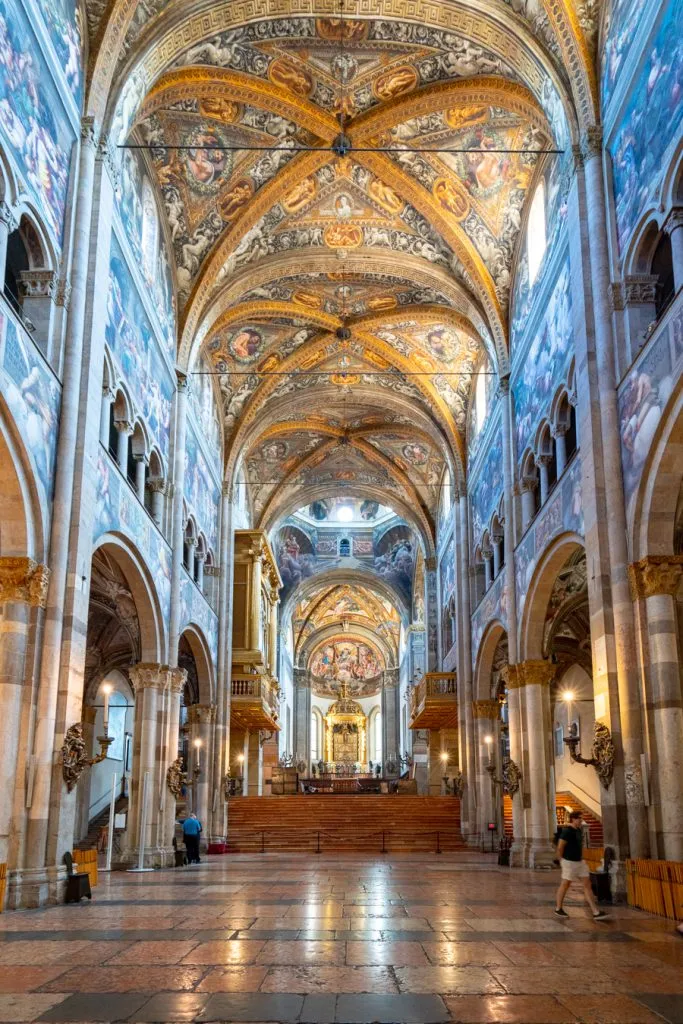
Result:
[[33, 124], [621, 26], [488, 487], [493, 606], [202, 493], [195, 610], [643, 396], [119, 511], [33, 396], [563, 512], [652, 120], [545, 364], [130, 337], [155, 268], [63, 21], [205, 411], [476, 431]]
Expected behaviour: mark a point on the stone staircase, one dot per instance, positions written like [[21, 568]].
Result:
[[569, 802], [356, 824]]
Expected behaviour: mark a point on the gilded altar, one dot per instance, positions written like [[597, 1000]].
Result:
[[346, 731]]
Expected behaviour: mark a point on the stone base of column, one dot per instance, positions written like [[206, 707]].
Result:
[[518, 854], [153, 857], [541, 855], [617, 878], [35, 887]]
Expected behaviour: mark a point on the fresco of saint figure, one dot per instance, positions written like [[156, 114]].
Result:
[[416, 454], [246, 345], [395, 82], [296, 79], [206, 165], [299, 195], [450, 199]]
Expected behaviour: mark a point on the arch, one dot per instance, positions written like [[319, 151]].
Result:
[[483, 658], [339, 577], [532, 621], [654, 508], [21, 519], [201, 652], [153, 641]]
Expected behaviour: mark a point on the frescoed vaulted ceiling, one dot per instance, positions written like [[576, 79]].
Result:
[[344, 293]]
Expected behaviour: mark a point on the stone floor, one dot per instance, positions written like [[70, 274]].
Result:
[[337, 940]]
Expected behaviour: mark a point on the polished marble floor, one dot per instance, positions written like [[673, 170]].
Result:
[[337, 940]]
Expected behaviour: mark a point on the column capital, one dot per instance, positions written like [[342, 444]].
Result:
[[37, 284], [535, 672], [543, 460], [23, 580], [640, 289], [201, 714], [147, 675], [8, 217], [106, 152], [528, 483], [212, 570], [674, 221], [485, 709], [177, 677], [141, 457], [90, 133], [503, 385], [226, 490], [559, 429], [123, 426], [182, 383], [655, 575], [430, 564], [62, 292], [616, 296], [591, 142]]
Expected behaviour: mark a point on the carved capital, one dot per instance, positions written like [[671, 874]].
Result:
[[543, 460], [106, 152], [503, 388], [123, 426], [147, 675], [89, 132], [485, 709], [655, 575], [528, 483], [559, 429], [62, 293], [640, 289], [227, 491], [8, 217], [182, 383], [177, 677], [577, 154], [591, 142], [674, 221], [430, 564], [212, 570], [37, 284], [508, 674], [24, 581], [201, 714], [537, 672], [616, 296]]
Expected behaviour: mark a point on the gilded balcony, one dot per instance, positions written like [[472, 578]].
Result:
[[434, 702], [254, 703]]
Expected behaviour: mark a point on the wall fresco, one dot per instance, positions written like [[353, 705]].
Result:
[[119, 511], [545, 364], [487, 489], [201, 490], [652, 121], [130, 337], [32, 119], [621, 25], [195, 610], [493, 606], [642, 397], [345, 661], [205, 410], [141, 222], [63, 21], [447, 586], [33, 396], [563, 512]]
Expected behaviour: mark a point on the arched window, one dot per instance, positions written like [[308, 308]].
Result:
[[480, 399], [536, 238], [16, 262], [150, 231], [663, 269], [375, 734], [344, 547], [316, 736]]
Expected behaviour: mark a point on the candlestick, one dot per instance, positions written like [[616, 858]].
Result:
[[106, 690]]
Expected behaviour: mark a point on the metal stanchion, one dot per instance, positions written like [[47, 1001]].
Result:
[[110, 837]]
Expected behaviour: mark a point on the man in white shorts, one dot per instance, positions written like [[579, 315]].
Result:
[[574, 867]]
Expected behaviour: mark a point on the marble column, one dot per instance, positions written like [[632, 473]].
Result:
[[485, 714], [534, 678], [125, 429], [656, 580], [221, 748], [464, 655], [487, 555], [253, 764], [674, 226], [177, 529], [560, 435], [158, 489], [37, 290], [140, 476], [8, 224], [23, 587], [45, 734], [105, 412], [201, 718], [527, 488], [432, 614], [167, 754], [390, 720], [149, 681], [623, 636], [543, 461]]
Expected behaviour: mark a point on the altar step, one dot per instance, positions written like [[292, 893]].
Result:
[[357, 824]]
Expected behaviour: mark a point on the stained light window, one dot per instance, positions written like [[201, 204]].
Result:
[[536, 239], [480, 398]]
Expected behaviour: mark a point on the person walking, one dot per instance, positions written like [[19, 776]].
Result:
[[574, 867], [191, 831]]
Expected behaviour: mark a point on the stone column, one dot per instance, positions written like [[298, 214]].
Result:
[[148, 680], [464, 656], [559, 433], [390, 720], [432, 614], [168, 752], [8, 224], [535, 677], [82, 816], [656, 580], [255, 624], [543, 461], [177, 529], [140, 476], [201, 718], [45, 733], [200, 558], [125, 429], [23, 586], [107, 402], [221, 748], [302, 716], [674, 226], [158, 488], [526, 488], [485, 714], [623, 639], [253, 764], [272, 636], [487, 555]]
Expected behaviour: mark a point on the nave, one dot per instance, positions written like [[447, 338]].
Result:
[[338, 939]]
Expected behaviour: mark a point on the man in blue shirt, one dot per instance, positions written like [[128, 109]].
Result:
[[191, 830]]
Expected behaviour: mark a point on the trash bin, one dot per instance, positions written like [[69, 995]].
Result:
[[600, 884]]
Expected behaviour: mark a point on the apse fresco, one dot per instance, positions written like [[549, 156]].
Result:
[[545, 365], [119, 511], [622, 23], [140, 219], [562, 512], [202, 493], [63, 20], [643, 396], [130, 337], [345, 661], [33, 396], [488, 487], [32, 119], [652, 121]]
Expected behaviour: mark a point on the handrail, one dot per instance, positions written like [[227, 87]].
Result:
[[356, 834]]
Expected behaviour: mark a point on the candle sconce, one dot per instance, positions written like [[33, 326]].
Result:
[[511, 776], [74, 757], [177, 779], [454, 786], [602, 758]]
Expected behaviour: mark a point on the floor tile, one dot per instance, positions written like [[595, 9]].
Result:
[[319, 1009], [329, 979], [613, 1009], [122, 979], [89, 1007], [447, 979], [668, 1007], [236, 951], [26, 979], [233, 979], [172, 1006], [462, 954], [301, 953], [253, 1007], [391, 1009], [396, 954], [152, 953], [509, 1010]]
